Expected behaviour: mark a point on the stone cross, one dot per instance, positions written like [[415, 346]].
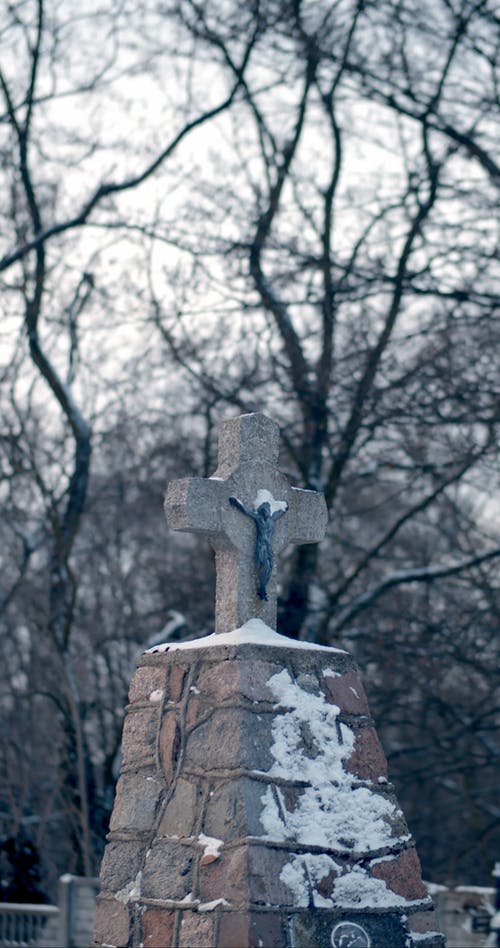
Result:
[[247, 470]]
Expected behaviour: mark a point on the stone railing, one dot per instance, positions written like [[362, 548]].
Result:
[[65, 925], [26, 925]]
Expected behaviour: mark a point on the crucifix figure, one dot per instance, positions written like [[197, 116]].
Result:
[[264, 518], [247, 481]]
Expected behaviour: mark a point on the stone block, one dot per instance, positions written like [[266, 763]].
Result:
[[237, 678], [266, 928], [147, 681], [367, 760], [177, 674], [196, 709], [231, 738], [158, 928], [227, 878], [167, 872], [169, 745], [339, 929], [111, 923], [402, 874], [234, 810], [251, 930], [347, 692], [265, 865], [180, 812], [136, 800], [197, 930], [423, 922], [233, 930], [121, 862], [139, 737]]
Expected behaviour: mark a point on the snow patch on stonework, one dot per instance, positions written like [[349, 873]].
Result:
[[255, 631], [156, 695], [210, 906], [211, 848], [265, 497], [357, 889], [132, 891], [312, 745], [333, 812], [312, 869]]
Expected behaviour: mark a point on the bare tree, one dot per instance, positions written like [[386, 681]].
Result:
[[285, 207]]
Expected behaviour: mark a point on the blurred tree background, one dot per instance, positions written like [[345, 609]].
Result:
[[212, 208]]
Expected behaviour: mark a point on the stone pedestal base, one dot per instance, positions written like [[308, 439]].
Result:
[[253, 807]]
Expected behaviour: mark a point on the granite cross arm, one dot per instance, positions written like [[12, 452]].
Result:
[[247, 471]]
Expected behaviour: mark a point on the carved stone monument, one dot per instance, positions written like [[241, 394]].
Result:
[[253, 806]]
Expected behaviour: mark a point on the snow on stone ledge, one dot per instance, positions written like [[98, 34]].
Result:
[[253, 632]]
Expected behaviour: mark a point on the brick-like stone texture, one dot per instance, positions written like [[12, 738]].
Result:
[[111, 923], [168, 871], [181, 811], [240, 679], [367, 760], [176, 680], [121, 862], [227, 878], [197, 759], [251, 930], [265, 865], [146, 682], [158, 928], [231, 738], [139, 737], [234, 809], [137, 796], [347, 692], [197, 929], [170, 745], [233, 930], [402, 874]]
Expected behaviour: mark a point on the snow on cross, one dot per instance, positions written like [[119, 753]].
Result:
[[247, 473]]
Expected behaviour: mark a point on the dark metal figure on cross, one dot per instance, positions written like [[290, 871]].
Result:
[[265, 523]]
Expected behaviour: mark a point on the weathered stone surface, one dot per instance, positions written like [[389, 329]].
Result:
[[231, 738], [236, 679], [180, 812], [169, 745], [336, 929], [136, 800], [368, 760], [264, 869], [139, 737], [247, 465], [250, 930], [347, 692], [234, 810], [197, 929], [146, 682], [167, 872], [227, 878], [121, 862], [111, 923], [233, 930], [176, 679], [266, 928], [158, 928], [196, 709], [402, 874], [421, 922]]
